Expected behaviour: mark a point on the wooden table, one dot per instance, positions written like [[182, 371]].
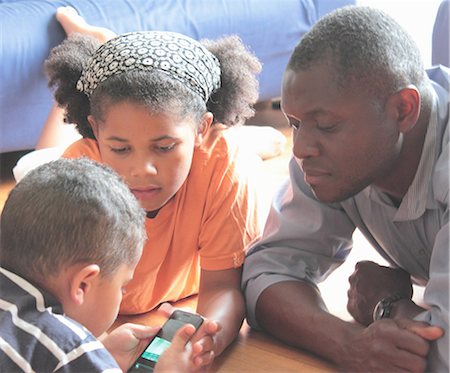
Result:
[[253, 351]]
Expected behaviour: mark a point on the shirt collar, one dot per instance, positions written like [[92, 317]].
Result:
[[43, 299], [415, 201]]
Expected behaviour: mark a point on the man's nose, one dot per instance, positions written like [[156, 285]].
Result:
[[305, 143]]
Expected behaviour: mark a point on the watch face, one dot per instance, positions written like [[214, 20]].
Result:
[[378, 311], [383, 309]]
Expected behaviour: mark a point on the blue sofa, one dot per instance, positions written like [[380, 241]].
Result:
[[269, 28]]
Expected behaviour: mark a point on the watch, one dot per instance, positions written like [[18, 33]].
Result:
[[383, 308]]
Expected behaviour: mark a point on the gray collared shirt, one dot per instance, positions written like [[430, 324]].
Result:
[[306, 240]]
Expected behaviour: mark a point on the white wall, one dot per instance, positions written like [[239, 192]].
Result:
[[416, 16]]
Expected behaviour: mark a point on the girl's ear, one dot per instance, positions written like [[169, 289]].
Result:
[[82, 281], [94, 125], [404, 105], [203, 128]]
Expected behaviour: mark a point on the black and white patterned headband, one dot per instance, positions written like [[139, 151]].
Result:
[[181, 57]]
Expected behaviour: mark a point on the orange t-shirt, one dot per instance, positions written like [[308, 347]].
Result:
[[207, 224]]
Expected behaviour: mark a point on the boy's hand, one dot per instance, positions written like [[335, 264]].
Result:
[[127, 342], [202, 343], [178, 358]]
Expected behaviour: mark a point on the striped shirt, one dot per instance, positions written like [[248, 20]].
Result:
[[36, 336]]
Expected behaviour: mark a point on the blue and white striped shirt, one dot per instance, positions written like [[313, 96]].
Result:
[[36, 336]]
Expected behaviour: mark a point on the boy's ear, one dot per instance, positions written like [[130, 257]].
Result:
[[203, 128], [94, 125], [404, 105], [82, 281]]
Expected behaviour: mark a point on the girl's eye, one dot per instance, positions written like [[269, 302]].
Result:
[[120, 150], [166, 148]]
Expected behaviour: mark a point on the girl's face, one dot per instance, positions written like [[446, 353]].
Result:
[[152, 153]]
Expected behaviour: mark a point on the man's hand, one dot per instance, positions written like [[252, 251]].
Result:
[[370, 283], [388, 346], [127, 342]]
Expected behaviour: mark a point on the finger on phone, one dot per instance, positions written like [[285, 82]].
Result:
[[183, 335], [166, 308], [143, 331]]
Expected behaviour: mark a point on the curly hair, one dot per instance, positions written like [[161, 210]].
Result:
[[231, 104], [64, 67], [366, 46]]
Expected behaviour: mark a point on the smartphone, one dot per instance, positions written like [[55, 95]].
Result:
[[162, 340]]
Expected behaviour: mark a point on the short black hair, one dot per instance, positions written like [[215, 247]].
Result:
[[366, 46], [70, 211]]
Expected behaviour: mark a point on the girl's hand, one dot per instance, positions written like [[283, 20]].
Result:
[[127, 342]]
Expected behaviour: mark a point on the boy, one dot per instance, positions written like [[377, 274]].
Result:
[[71, 236]]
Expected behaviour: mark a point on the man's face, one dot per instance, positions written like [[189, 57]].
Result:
[[344, 142]]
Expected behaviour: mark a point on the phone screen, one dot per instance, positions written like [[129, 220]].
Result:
[[148, 359], [155, 349]]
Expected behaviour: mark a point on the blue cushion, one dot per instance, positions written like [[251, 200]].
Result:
[[269, 28]]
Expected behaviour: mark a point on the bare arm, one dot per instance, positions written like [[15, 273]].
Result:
[[295, 313], [220, 299]]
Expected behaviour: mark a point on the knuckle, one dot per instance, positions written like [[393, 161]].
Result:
[[420, 366]]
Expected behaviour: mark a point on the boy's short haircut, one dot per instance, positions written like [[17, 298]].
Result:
[[66, 212]]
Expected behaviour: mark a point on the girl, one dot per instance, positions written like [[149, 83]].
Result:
[[156, 107]]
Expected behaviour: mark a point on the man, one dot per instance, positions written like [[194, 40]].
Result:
[[371, 151]]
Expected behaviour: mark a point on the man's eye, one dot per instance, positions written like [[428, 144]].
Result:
[[326, 127], [295, 124]]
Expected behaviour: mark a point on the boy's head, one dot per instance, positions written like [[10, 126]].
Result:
[[74, 228]]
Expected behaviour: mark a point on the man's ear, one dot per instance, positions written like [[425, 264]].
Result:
[[203, 128], [404, 106], [94, 125], [82, 281]]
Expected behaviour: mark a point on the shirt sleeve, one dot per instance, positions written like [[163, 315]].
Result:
[[83, 148], [436, 297], [231, 220], [303, 240], [93, 361], [437, 291]]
